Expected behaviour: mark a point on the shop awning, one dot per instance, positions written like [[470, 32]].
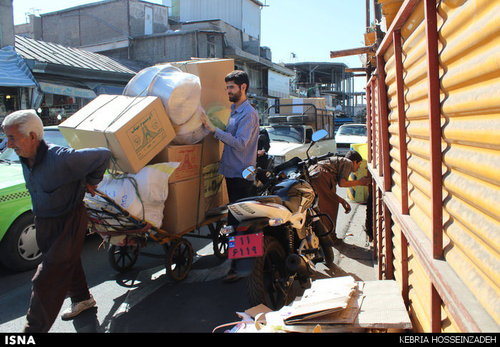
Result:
[[13, 70], [66, 89], [109, 89]]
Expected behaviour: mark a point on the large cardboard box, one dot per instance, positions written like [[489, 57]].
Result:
[[213, 191], [191, 200], [189, 157], [135, 129], [181, 208], [214, 99]]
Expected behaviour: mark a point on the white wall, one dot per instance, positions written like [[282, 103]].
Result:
[[242, 14], [278, 84]]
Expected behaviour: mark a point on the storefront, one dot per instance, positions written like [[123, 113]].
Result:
[[17, 84], [67, 78], [60, 101]]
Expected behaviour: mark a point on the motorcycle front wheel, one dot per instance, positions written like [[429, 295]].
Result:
[[268, 282]]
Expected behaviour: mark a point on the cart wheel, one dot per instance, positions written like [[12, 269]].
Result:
[[220, 241], [179, 259], [123, 258]]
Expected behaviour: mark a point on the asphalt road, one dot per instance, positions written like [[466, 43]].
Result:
[[147, 300]]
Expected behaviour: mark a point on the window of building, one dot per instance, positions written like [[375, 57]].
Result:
[[211, 47]]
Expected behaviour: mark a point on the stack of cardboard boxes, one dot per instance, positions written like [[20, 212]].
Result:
[[139, 132]]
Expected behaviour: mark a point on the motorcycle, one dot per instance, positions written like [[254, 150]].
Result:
[[279, 236]]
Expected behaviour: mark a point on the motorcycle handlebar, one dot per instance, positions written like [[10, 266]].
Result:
[[314, 160], [295, 162]]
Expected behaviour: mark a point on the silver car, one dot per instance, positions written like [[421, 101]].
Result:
[[350, 134]]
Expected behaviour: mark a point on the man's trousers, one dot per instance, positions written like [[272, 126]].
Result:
[[61, 273]]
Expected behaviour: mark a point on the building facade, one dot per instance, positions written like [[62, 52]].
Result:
[[145, 33]]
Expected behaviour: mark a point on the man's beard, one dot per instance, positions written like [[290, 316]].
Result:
[[235, 97]]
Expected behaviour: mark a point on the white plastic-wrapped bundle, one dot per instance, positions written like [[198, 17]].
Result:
[[139, 84], [179, 91], [192, 131]]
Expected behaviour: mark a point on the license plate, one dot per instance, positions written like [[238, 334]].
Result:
[[246, 246]]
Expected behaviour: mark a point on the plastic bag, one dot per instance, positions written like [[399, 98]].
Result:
[[191, 132], [143, 195], [180, 92]]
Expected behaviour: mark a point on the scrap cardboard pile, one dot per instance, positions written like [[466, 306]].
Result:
[[331, 301], [157, 121], [338, 304]]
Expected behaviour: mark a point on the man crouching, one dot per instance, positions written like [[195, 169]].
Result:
[[57, 178], [326, 175]]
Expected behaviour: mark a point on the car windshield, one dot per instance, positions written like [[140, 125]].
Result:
[[286, 134], [356, 130], [50, 136]]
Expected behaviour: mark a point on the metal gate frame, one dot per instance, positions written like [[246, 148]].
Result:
[[446, 287]]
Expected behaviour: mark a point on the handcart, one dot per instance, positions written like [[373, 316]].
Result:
[[127, 234]]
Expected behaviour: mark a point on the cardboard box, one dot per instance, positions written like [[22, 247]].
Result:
[[190, 200], [135, 129], [181, 208], [211, 150], [188, 155], [214, 99], [213, 191]]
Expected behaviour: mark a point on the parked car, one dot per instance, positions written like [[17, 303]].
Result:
[[348, 134], [288, 141], [3, 142], [18, 248]]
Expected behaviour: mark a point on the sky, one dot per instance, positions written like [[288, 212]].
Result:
[[295, 30]]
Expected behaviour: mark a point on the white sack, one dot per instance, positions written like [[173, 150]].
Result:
[[143, 194], [180, 93], [139, 84], [191, 132]]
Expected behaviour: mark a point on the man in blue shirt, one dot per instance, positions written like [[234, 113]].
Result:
[[240, 143], [240, 138], [57, 178]]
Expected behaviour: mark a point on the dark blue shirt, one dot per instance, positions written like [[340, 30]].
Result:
[[240, 140], [56, 182]]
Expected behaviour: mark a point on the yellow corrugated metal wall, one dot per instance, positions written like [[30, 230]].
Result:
[[469, 60], [470, 85]]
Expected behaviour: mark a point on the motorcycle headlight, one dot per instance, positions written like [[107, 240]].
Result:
[[279, 159]]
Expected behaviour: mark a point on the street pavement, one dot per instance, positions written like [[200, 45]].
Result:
[[147, 300], [354, 256]]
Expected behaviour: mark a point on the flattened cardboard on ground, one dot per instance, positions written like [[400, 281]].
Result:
[[135, 129], [326, 296], [375, 305], [346, 315], [214, 99]]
